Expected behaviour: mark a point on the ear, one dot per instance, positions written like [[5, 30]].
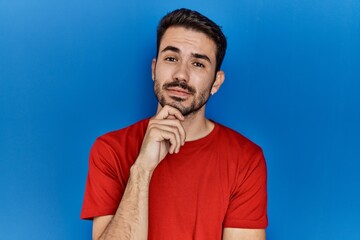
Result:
[[153, 66], [219, 79]]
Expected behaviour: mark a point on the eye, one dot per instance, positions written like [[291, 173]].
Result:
[[170, 59], [200, 65]]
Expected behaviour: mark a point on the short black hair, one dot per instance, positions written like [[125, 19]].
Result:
[[194, 20]]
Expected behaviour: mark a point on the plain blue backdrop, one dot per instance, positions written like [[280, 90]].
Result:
[[73, 70]]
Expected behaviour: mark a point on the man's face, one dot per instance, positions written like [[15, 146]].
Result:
[[184, 72]]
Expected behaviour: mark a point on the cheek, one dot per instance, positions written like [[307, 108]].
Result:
[[203, 82], [163, 71], [205, 75]]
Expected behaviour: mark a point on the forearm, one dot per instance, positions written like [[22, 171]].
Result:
[[244, 234], [131, 218]]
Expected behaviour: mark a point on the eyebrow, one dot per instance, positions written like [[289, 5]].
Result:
[[201, 56], [195, 55], [171, 48]]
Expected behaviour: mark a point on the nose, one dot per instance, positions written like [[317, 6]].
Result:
[[181, 72]]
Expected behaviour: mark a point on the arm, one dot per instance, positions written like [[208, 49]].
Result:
[[164, 135], [243, 234], [130, 220]]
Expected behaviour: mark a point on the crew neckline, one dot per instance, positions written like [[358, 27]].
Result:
[[207, 138], [201, 141]]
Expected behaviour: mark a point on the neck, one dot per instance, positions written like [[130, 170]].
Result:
[[196, 125]]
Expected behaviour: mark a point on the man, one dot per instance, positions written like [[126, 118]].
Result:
[[179, 175]]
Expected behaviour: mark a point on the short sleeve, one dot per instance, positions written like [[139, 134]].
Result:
[[248, 201], [104, 188]]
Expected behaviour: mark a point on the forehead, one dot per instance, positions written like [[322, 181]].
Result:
[[188, 41]]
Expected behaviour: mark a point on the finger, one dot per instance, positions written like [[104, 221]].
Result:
[[170, 128], [182, 133], [168, 111], [173, 123], [168, 136]]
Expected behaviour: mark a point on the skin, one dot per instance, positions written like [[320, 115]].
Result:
[[187, 58]]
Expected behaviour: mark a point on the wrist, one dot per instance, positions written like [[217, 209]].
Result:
[[140, 172]]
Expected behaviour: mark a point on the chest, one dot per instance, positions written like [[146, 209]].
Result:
[[189, 193]]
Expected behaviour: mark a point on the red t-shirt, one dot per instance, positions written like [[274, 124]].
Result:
[[215, 182]]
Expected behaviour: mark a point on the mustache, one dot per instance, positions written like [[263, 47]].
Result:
[[180, 84]]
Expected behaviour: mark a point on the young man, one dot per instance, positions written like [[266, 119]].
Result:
[[179, 175]]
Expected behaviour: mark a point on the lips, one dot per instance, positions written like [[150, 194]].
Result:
[[179, 92]]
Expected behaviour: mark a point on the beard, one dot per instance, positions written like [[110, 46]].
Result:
[[198, 99]]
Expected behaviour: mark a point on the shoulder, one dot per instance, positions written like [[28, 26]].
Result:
[[127, 134], [121, 141], [244, 159], [235, 141], [237, 151]]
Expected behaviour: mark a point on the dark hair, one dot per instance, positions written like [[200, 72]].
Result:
[[193, 20]]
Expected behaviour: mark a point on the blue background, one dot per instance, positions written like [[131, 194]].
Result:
[[73, 70]]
